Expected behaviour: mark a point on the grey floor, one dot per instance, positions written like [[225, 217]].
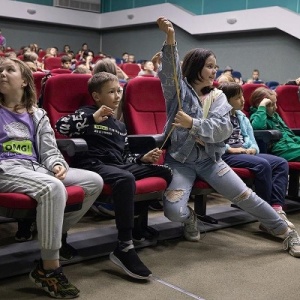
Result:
[[233, 262]]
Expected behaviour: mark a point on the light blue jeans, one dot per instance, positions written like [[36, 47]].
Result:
[[224, 180]]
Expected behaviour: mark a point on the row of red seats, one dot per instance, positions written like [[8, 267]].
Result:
[[64, 94], [143, 101]]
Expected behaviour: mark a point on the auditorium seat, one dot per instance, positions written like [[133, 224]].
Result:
[[52, 63], [248, 89], [131, 69], [288, 107]]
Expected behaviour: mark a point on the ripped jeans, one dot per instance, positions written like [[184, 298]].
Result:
[[224, 180]]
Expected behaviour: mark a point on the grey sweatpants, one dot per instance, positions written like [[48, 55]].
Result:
[[22, 176]]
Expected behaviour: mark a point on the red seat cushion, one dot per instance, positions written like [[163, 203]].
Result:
[[143, 186], [199, 184], [294, 165], [22, 201], [243, 173]]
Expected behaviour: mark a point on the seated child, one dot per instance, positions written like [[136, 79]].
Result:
[[30, 163], [271, 172], [263, 115], [108, 154]]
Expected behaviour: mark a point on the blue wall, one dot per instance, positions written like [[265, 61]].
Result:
[[198, 7]]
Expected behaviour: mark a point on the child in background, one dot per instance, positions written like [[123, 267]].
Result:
[[147, 69], [66, 62], [271, 172], [263, 115]]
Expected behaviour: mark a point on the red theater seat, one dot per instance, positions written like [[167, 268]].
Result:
[[52, 63], [131, 69], [288, 105]]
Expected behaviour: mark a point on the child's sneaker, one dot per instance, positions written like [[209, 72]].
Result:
[[103, 209], [283, 216], [53, 282], [144, 233], [128, 260], [66, 251], [292, 243], [26, 231], [156, 206], [190, 229]]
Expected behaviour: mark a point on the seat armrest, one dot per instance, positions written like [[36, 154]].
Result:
[[142, 143], [296, 130], [71, 146], [267, 136]]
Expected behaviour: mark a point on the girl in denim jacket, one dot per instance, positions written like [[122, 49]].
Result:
[[198, 122]]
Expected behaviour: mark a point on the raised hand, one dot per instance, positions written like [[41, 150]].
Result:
[[166, 26], [103, 113]]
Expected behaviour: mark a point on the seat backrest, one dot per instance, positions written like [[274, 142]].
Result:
[[131, 69], [236, 74], [248, 89], [144, 106], [272, 84], [60, 71], [65, 93], [37, 77], [52, 63], [288, 105]]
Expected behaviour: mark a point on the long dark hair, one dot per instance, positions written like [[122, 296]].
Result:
[[193, 63]]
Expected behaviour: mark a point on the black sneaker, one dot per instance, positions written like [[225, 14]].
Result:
[[66, 252], [156, 206], [130, 263], [26, 231], [144, 233], [103, 209], [53, 282]]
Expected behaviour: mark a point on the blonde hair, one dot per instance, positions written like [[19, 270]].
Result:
[[259, 94], [29, 96]]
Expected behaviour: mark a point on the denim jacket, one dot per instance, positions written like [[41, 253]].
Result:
[[212, 130]]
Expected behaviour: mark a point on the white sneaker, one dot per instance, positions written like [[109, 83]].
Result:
[[190, 229], [292, 243], [283, 216]]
